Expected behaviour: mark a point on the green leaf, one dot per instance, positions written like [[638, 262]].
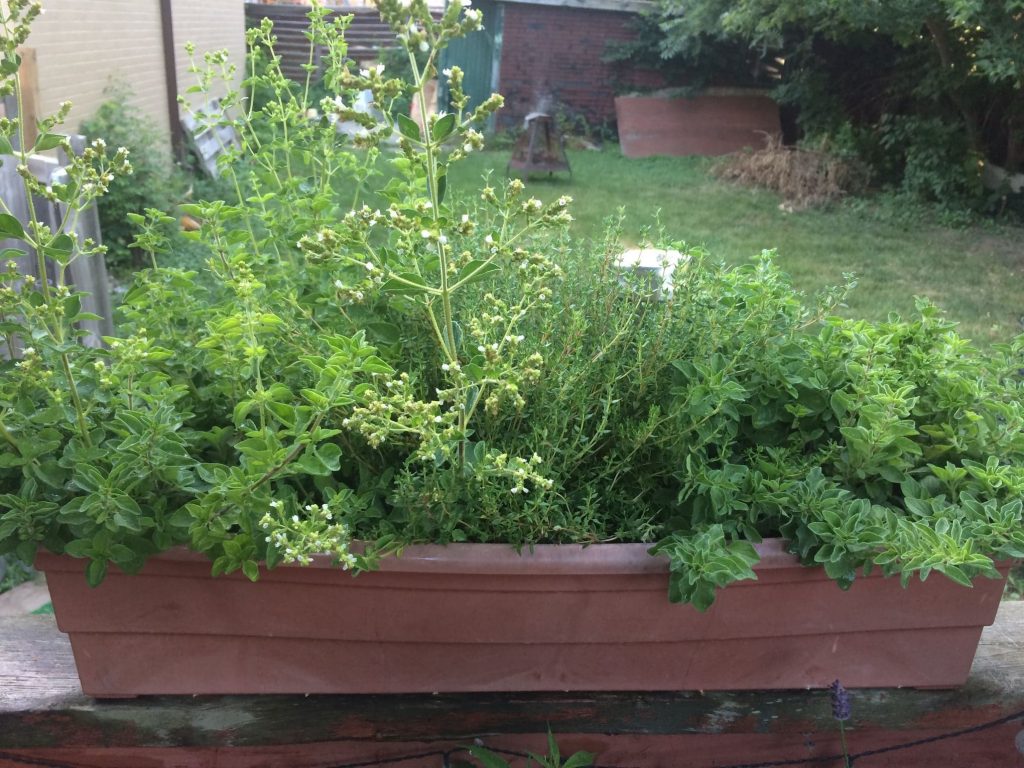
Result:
[[487, 758], [406, 283], [96, 572], [389, 333], [956, 574], [9, 65], [475, 271], [251, 569], [579, 760], [408, 127], [442, 187], [442, 128], [61, 248], [48, 141], [5, 146], [10, 227]]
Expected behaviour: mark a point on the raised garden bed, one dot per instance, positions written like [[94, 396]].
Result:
[[715, 122]]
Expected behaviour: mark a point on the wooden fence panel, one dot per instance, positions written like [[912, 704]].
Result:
[[85, 273]]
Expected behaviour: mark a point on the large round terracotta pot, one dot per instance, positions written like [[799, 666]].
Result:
[[714, 122], [480, 617]]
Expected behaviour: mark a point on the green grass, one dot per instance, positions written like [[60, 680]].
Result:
[[974, 274]]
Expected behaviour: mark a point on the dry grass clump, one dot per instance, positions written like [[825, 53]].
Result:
[[805, 178]]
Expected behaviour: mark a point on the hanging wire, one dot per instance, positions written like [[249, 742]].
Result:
[[444, 757]]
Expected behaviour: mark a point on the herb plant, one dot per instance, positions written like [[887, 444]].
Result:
[[370, 355]]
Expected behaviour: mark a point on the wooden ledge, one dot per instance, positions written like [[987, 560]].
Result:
[[45, 716]]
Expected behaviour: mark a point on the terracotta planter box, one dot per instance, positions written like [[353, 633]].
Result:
[[716, 122], [479, 617]]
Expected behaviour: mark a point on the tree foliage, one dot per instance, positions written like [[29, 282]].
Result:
[[871, 65]]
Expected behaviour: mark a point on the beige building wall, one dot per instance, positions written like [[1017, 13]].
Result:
[[211, 25], [84, 46]]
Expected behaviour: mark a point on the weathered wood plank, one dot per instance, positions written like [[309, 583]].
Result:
[[28, 77]]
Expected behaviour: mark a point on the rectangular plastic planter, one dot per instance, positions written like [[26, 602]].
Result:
[[480, 617]]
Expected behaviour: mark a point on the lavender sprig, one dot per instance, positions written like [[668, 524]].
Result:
[[841, 712], [840, 701]]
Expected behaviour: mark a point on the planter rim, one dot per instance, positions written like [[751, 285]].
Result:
[[469, 558], [684, 93]]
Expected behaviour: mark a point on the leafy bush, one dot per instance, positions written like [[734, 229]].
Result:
[[414, 364], [154, 183]]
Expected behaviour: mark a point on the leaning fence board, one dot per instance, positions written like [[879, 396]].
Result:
[[209, 136]]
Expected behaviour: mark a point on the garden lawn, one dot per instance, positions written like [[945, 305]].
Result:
[[974, 274]]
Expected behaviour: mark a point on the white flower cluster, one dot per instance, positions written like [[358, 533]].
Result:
[[299, 537]]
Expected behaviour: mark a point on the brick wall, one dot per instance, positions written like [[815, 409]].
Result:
[[555, 53]]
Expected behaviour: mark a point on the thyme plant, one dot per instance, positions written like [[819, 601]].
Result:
[[370, 355]]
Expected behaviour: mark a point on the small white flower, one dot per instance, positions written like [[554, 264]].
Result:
[[295, 518], [447, 71], [442, 239], [424, 46], [438, 419], [379, 69], [489, 240], [369, 266], [425, 233], [465, 218], [445, 367], [338, 284]]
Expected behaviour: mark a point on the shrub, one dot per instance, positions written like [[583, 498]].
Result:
[[154, 183]]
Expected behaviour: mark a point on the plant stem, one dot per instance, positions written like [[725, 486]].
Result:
[[430, 150], [842, 739]]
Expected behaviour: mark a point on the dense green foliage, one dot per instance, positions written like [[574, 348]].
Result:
[[373, 357], [922, 89], [154, 183]]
